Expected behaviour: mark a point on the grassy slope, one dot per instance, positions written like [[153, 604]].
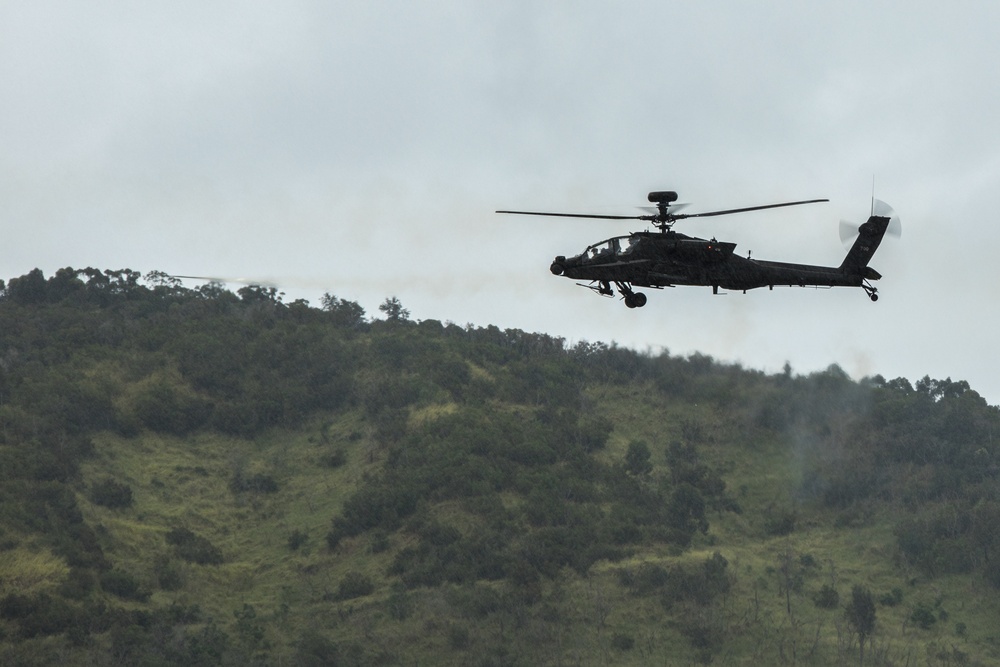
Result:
[[186, 482], [764, 475]]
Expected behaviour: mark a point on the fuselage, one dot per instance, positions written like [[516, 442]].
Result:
[[661, 259]]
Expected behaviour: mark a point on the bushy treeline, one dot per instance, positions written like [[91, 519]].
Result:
[[495, 425]]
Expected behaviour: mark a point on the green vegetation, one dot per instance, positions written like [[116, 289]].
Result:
[[197, 477]]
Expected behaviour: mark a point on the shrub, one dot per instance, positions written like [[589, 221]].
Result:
[[109, 493], [78, 584], [354, 585], [297, 539], [314, 649], [168, 575], [780, 522], [399, 603], [808, 560], [827, 597], [333, 459], [647, 578], [166, 407], [923, 617], [700, 585], [123, 584], [194, 548], [637, 458], [458, 637], [41, 614], [255, 483], [379, 542], [892, 598]]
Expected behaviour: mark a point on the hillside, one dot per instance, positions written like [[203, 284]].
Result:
[[197, 477]]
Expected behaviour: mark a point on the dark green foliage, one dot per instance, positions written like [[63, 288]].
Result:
[[686, 467], [937, 540], [779, 521], [892, 598], [686, 513], [592, 432], [444, 554], [169, 576], [315, 650], [399, 603], [637, 458], [622, 642], [645, 579], [394, 311], [333, 459], [167, 408], [860, 616], [700, 584], [258, 482], [346, 314], [354, 585], [79, 583], [122, 584], [41, 614], [110, 493], [297, 539], [248, 629], [923, 616], [991, 571], [458, 637], [502, 428], [827, 597], [194, 548], [373, 506], [379, 541]]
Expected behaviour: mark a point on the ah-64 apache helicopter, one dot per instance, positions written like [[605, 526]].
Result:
[[665, 258]]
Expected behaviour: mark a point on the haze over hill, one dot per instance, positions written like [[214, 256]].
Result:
[[195, 476]]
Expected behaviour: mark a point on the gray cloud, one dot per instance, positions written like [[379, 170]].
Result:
[[361, 148]]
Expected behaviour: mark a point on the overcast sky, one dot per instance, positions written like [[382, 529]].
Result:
[[360, 148]]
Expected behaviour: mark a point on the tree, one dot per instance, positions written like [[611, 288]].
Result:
[[860, 615], [345, 313], [686, 513], [394, 311], [637, 458], [28, 289]]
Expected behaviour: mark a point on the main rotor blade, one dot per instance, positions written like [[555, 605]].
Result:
[[748, 208], [578, 215], [241, 281]]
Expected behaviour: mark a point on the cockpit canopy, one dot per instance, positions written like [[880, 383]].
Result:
[[613, 247]]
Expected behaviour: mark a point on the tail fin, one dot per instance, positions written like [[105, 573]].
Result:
[[869, 237]]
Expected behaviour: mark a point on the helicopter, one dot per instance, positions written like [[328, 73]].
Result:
[[665, 258]]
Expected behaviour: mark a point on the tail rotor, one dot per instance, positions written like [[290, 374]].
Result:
[[849, 230]]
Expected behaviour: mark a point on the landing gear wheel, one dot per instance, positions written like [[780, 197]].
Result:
[[635, 300], [871, 290]]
